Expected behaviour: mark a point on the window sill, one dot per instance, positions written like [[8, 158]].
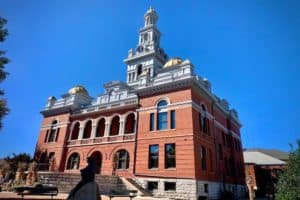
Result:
[[171, 168], [153, 169], [50, 142], [122, 169], [164, 130]]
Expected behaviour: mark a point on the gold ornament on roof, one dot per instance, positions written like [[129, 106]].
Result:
[[78, 90], [173, 62]]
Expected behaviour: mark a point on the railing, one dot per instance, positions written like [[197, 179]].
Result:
[[99, 140]]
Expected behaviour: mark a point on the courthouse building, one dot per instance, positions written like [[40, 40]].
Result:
[[164, 128]]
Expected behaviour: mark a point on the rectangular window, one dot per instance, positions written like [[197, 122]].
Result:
[[122, 159], [211, 160], [170, 156], [204, 124], [162, 121], [226, 165], [152, 185], [224, 139], [228, 140], [220, 152], [57, 134], [173, 119], [153, 156], [46, 136], [231, 166], [208, 127], [51, 155], [52, 135], [203, 158], [200, 122], [206, 188], [151, 121], [170, 186]]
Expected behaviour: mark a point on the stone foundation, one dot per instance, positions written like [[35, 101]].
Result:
[[185, 188], [189, 189]]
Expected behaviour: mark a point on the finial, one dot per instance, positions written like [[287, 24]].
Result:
[[151, 9]]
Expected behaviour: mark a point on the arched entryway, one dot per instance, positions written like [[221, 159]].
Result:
[[97, 158]]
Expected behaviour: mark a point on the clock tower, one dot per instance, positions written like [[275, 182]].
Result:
[[147, 58]]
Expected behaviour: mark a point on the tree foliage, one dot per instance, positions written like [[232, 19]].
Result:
[[15, 160], [3, 74], [288, 186]]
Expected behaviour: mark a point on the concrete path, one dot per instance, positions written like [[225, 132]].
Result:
[[60, 196]]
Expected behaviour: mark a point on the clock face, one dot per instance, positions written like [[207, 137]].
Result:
[[139, 48]]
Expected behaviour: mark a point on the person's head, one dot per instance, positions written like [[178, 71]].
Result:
[[90, 160]]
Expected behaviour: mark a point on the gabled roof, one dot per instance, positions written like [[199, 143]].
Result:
[[281, 155], [260, 158]]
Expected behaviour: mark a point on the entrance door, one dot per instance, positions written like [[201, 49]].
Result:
[[97, 158]]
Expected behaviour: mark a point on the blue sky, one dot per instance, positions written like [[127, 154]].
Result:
[[249, 50]]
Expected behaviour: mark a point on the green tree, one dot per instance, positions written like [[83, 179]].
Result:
[[3, 61], [288, 186]]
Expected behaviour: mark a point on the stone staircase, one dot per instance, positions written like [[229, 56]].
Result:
[[66, 182], [132, 185]]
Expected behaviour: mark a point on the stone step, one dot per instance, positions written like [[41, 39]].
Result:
[[67, 181]]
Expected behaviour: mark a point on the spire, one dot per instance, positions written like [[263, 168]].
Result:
[[151, 17]]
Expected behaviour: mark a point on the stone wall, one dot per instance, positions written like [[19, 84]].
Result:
[[66, 182], [189, 189], [185, 188], [214, 189]]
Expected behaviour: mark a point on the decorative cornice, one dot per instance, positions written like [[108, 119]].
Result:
[[56, 111], [101, 109]]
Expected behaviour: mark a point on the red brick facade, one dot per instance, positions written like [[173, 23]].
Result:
[[187, 136], [163, 123]]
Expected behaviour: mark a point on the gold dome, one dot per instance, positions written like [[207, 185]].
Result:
[[173, 62], [78, 90]]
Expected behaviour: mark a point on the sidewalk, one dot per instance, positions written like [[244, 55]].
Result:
[[60, 196]]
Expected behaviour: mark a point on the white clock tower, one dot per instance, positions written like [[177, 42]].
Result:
[[148, 57]]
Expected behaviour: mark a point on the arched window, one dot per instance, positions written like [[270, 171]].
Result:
[[162, 115], [122, 159], [53, 132], [74, 161], [87, 130], [130, 123], [97, 159], [204, 122], [100, 128], [114, 127], [162, 103], [75, 131]]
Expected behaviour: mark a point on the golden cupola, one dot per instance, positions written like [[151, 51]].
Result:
[[173, 62], [78, 90]]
